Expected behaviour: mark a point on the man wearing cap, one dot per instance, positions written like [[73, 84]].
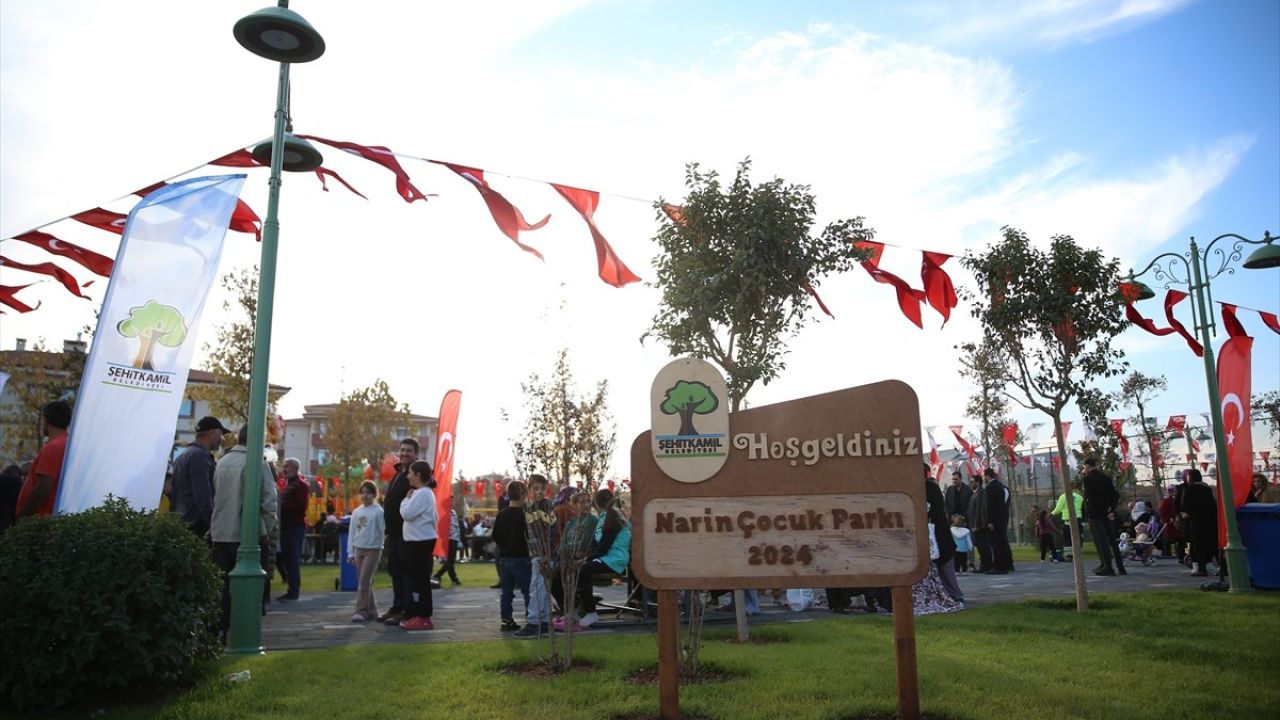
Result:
[[40, 490], [193, 476]]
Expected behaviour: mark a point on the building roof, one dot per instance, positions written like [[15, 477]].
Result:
[[324, 410]]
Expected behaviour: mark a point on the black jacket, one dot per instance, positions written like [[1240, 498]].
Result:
[[997, 504], [957, 499], [509, 533], [396, 491], [1100, 496], [938, 518]]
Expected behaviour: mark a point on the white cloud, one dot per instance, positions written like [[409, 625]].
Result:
[[1047, 23]]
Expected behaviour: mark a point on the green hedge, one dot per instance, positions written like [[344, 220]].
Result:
[[103, 600]]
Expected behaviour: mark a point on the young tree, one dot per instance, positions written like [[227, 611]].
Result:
[[564, 434], [1266, 408], [597, 437], [1137, 390], [363, 427], [986, 370], [1052, 315], [737, 268]]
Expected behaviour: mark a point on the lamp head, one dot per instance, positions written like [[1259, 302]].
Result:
[[1133, 289], [1267, 256], [299, 155], [280, 34]]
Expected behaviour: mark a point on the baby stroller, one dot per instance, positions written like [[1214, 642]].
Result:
[[1141, 549]]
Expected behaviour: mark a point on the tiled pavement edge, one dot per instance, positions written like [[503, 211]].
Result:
[[471, 613]]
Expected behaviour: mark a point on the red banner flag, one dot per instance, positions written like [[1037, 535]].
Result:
[[480, 488], [1177, 423], [610, 267], [47, 268], [90, 260], [1204, 467], [938, 289], [1136, 318], [1009, 433], [1117, 426], [508, 217], [382, 156], [1231, 323], [8, 297], [103, 220], [1065, 429], [1170, 300], [968, 448], [1270, 320], [1266, 456], [908, 299], [1233, 388], [446, 439]]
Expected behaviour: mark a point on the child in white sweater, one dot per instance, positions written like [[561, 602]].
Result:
[[364, 549], [419, 512]]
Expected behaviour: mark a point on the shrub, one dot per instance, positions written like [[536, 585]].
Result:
[[107, 599]]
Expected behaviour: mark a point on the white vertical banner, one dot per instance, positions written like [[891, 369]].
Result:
[[125, 416]]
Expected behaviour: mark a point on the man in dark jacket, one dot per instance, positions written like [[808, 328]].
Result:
[[997, 506], [1100, 498], [977, 515], [957, 497], [1201, 508], [396, 567], [193, 476], [294, 500]]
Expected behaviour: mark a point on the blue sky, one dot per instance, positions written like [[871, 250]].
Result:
[[1129, 124]]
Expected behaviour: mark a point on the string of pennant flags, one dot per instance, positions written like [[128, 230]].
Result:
[[937, 291], [975, 458]]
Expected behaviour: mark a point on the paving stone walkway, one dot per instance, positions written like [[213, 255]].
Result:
[[467, 613]]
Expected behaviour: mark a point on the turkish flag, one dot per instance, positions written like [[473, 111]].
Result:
[[8, 297], [1136, 318], [610, 267], [1117, 426], [480, 488], [938, 289], [1177, 423], [47, 268], [1170, 300], [1230, 322], [1009, 434], [909, 299], [103, 220], [446, 437], [384, 157], [968, 449], [90, 260], [508, 217], [1270, 320], [1233, 390], [1266, 456]]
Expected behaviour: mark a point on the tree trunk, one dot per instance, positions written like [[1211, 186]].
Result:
[[146, 347], [686, 421], [1077, 556]]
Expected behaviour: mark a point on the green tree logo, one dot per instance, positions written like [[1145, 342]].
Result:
[[153, 324], [687, 398]]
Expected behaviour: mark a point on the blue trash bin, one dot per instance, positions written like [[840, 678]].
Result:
[[1259, 525], [348, 579]]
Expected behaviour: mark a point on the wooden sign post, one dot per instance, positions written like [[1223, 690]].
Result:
[[824, 490]]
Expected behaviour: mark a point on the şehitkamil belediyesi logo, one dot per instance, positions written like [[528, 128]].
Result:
[[686, 399], [154, 325]]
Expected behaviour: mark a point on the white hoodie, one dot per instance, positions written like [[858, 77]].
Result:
[[419, 513]]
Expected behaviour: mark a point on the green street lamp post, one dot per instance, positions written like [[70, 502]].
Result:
[[276, 33], [1193, 270]]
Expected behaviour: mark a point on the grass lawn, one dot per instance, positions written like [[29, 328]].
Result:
[[1141, 655]]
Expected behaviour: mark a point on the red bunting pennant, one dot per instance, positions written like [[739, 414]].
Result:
[[908, 299], [938, 289], [90, 260], [103, 220], [245, 158], [384, 157], [1270, 320], [508, 217], [1170, 300], [47, 268], [611, 268], [323, 171], [1136, 318], [1177, 423], [1230, 322], [243, 218], [7, 296]]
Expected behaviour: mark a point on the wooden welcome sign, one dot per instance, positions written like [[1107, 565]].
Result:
[[825, 491]]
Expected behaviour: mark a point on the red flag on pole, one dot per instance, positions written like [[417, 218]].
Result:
[[47, 268], [445, 441], [480, 488], [610, 267], [1136, 318], [1233, 390], [1117, 426], [90, 260]]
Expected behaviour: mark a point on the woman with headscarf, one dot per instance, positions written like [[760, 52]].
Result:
[[1174, 544], [1201, 508]]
